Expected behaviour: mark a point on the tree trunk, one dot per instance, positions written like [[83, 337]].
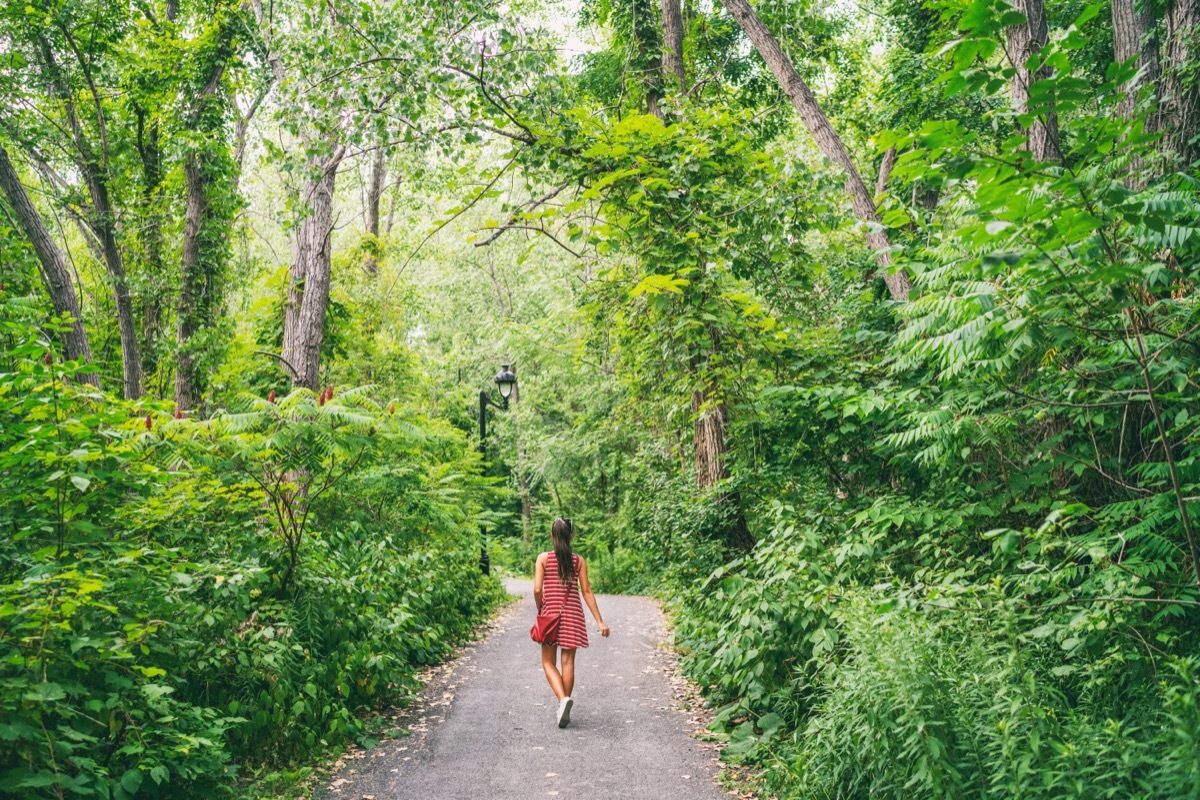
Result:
[[710, 450], [1180, 107], [104, 224], [374, 195], [152, 241], [1025, 41], [191, 285], [53, 267], [308, 289], [672, 22], [826, 137], [885, 170], [647, 34], [710, 444], [1134, 35]]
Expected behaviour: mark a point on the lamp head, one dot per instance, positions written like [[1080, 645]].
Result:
[[505, 380]]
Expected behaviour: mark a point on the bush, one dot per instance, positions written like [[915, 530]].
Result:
[[180, 598]]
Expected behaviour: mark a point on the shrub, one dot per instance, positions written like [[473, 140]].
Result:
[[179, 597]]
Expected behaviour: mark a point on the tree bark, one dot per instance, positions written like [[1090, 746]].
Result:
[[710, 451], [1134, 27], [1026, 41], [53, 267], [374, 195], [203, 255], [188, 385], [885, 170], [308, 289], [647, 37], [104, 224], [710, 444], [672, 22], [152, 239], [825, 136], [1180, 106]]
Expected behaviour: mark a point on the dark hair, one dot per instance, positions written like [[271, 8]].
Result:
[[561, 532]]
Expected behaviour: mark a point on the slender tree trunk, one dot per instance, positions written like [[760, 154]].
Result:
[[649, 52], [104, 224], [53, 267], [1025, 41], [1180, 106], [672, 21], [823, 133], [374, 195], [885, 170], [210, 177], [1134, 35], [152, 240], [308, 289], [191, 286], [710, 444], [710, 452]]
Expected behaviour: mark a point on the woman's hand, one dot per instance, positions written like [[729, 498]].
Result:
[[604, 631]]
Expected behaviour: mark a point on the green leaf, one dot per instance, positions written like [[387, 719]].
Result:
[[131, 781]]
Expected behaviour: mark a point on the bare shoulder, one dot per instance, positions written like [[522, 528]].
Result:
[[582, 563], [541, 559]]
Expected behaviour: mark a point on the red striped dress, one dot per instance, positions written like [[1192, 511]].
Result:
[[572, 628]]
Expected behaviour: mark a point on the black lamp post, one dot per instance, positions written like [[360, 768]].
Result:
[[505, 381]]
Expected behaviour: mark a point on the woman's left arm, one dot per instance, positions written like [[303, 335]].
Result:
[[585, 589]]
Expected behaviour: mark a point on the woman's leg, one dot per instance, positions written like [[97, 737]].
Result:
[[568, 671], [555, 679]]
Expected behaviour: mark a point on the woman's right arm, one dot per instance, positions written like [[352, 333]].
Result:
[[585, 589], [539, 576]]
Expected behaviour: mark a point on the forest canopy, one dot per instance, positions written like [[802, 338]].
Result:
[[865, 335]]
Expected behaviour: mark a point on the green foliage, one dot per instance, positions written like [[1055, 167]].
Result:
[[181, 597], [976, 560]]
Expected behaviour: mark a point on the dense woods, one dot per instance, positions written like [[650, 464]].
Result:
[[865, 335]]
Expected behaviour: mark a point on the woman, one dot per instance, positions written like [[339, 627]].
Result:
[[559, 580]]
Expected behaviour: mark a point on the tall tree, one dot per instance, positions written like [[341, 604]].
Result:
[[1024, 44], [52, 265], [827, 139], [375, 183], [1180, 105], [311, 271], [210, 190], [672, 23], [1135, 36]]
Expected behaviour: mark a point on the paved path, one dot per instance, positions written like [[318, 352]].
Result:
[[486, 728]]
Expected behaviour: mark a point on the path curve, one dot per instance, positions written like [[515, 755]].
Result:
[[486, 728]]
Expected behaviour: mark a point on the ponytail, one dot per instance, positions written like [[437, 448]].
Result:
[[561, 532]]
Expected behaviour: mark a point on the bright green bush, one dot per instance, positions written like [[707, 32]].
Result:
[[179, 598]]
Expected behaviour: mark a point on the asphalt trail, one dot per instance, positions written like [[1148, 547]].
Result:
[[486, 728]]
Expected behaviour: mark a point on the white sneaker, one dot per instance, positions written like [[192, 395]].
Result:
[[564, 711]]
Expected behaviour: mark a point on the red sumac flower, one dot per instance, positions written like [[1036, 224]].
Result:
[[149, 422], [271, 397]]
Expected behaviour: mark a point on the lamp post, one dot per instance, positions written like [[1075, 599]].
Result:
[[505, 381]]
